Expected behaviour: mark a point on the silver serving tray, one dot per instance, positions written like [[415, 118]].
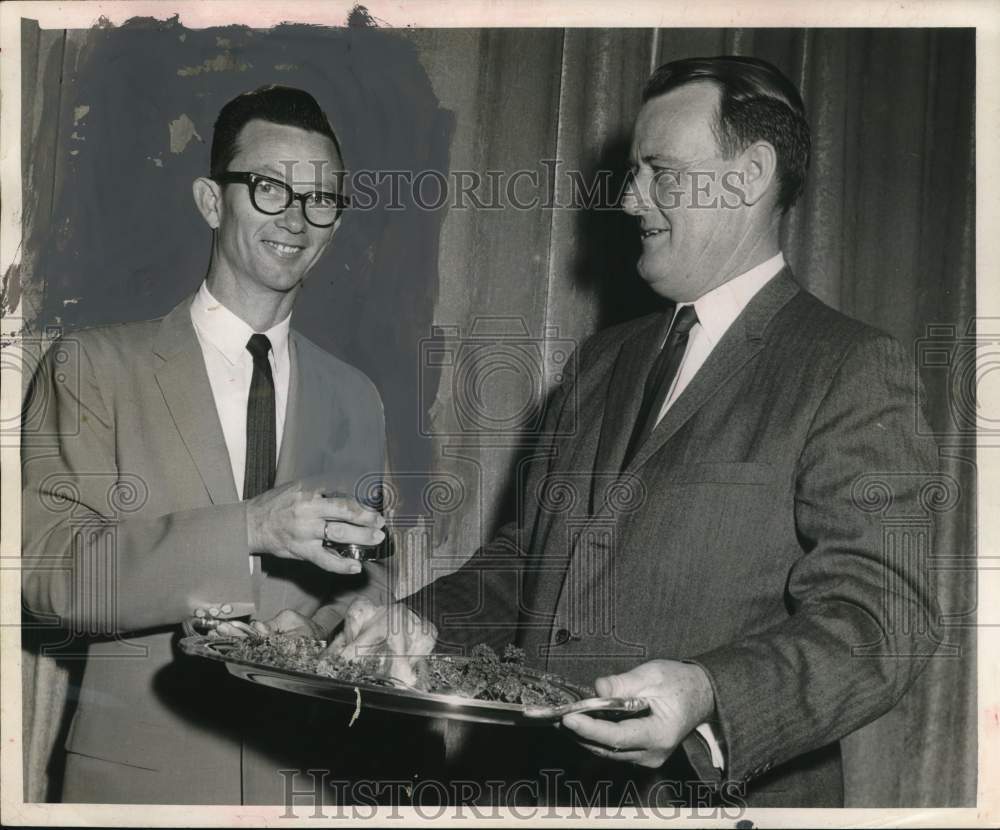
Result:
[[384, 697]]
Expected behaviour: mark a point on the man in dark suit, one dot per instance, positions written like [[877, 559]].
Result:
[[728, 566], [192, 468]]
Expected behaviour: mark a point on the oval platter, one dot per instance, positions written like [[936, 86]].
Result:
[[385, 696]]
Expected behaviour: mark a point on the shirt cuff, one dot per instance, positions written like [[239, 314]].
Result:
[[714, 747]]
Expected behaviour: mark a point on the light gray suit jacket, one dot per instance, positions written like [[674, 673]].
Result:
[[132, 521], [774, 528]]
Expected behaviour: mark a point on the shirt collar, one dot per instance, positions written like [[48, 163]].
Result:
[[229, 334], [722, 305]]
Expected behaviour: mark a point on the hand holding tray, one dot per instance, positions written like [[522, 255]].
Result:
[[386, 694]]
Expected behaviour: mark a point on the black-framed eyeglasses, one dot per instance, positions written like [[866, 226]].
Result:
[[273, 196]]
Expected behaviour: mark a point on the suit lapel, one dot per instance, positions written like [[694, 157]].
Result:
[[743, 340], [614, 427], [183, 380], [727, 358], [311, 414], [624, 397], [290, 434], [272, 595]]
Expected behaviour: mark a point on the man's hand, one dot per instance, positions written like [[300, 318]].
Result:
[[288, 622], [392, 634], [680, 698], [293, 520]]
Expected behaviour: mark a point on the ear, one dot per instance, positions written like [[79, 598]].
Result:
[[760, 171], [208, 200]]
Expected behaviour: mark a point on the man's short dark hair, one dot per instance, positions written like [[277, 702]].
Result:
[[276, 104], [758, 103]]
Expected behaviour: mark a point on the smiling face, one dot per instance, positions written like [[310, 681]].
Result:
[[259, 255], [685, 195]]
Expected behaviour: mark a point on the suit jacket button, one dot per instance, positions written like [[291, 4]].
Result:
[[563, 636]]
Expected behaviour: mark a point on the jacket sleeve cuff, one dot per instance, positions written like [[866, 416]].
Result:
[[224, 578], [707, 734]]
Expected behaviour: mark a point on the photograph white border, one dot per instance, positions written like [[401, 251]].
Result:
[[985, 16]]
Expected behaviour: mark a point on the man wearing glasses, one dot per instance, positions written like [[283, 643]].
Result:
[[235, 432]]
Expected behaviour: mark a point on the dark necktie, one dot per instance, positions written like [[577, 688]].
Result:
[[660, 379], [262, 431]]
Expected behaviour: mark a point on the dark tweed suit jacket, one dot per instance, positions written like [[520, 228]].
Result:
[[132, 521], [742, 537]]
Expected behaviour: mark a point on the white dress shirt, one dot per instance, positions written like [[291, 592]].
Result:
[[716, 312], [223, 338]]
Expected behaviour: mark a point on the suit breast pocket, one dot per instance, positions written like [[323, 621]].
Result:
[[726, 472]]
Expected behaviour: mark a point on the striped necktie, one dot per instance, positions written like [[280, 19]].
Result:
[[262, 430]]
